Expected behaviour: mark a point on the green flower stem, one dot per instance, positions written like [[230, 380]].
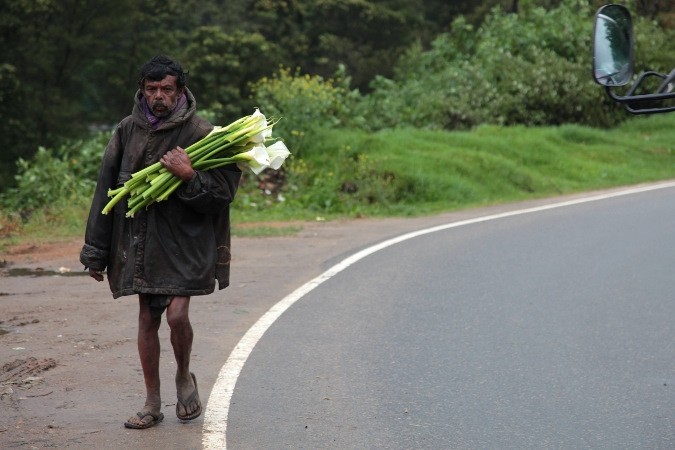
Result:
[[237, 123], [159, 178], [172, 187], [219, 162], [143, 172], [223, 151], [196, 152], [116, 198], [139, 189], [244, 132], [157, 185], [133, 210], [114, 192]]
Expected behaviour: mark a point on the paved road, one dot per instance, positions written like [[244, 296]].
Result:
[[545, 330], [82, 377]]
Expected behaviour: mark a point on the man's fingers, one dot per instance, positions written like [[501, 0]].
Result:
[[175, 156], [96, 274], [178, 163]]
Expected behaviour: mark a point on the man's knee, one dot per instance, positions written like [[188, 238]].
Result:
[[146, 320], [177, 312]]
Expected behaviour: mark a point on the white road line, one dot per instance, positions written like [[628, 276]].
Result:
[[217, 408]]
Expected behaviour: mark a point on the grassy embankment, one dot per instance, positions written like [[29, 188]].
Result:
[[413, 172]]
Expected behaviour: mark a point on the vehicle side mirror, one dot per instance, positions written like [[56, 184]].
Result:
[[613, 65], [613, 46]]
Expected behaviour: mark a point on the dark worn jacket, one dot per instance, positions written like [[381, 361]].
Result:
[[179, 246]]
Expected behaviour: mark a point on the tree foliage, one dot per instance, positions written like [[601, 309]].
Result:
[[529, 68], [70, 65], [68, 61], [222, 65]]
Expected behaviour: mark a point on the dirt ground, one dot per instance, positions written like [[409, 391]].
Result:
[[69, 370]]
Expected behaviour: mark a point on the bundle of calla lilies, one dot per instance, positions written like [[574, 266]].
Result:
[[243, 142]]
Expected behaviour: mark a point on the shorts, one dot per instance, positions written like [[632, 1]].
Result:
[[158, 303]]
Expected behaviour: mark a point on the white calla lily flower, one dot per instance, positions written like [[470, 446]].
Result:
[[257, 159], [260, 122], [278, 152]]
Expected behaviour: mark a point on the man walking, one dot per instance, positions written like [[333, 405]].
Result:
[[173, 250]]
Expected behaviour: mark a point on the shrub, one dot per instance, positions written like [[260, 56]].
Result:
[[303, 102], [532, 68], [55, 177]]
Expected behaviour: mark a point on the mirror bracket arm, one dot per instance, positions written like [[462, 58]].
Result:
[[634, 111], [629, 100]]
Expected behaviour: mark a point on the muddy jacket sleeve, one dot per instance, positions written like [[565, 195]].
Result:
[[98, 235], [209, 192]]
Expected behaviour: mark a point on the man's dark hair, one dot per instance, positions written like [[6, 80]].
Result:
[[159, 67]]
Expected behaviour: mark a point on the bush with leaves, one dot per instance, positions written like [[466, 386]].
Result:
[[531, 68], [654, 46], [54, 177], [303, 102]]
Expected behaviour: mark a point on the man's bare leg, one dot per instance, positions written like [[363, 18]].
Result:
[[177, 316], [148, 351]]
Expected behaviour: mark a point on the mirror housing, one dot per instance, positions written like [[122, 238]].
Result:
[[613, 63], [613, 46]]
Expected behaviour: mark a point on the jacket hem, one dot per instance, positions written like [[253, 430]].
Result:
[[162, 291]]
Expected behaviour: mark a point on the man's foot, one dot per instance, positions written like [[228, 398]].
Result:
[[188, 406], [144, 419]]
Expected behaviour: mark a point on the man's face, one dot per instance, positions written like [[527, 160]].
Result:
[[161, 95]]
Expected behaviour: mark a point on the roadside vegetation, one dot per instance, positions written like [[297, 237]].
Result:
[[349, 173]]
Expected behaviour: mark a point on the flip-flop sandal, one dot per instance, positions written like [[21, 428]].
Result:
[[190, 399], [156, 418]]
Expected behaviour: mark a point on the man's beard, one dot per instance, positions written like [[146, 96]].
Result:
[[159, 109]]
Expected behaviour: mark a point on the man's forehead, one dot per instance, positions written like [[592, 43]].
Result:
[[166, 81]]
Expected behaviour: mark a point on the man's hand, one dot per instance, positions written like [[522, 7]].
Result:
[[178, 163], [96, 274]]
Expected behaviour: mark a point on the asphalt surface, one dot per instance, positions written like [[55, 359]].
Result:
[[546, 330]]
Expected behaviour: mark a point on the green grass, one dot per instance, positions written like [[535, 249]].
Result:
[[352, 173], [56, 223], [255, 230], [413, 172]]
